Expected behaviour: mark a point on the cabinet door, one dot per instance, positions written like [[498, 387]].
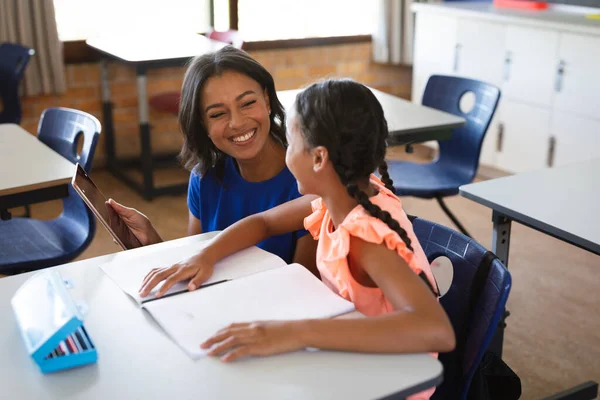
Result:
[[489, 147], [525, 137], [530, 65], [480, 51], [578, 80], [576, 138], [435, 41]]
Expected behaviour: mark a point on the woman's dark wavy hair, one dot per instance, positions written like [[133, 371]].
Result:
[[347, 119], [198, 151]]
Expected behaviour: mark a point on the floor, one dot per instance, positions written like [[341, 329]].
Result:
[[553, 337]]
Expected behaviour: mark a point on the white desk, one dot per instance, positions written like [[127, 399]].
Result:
[[561, 202], [136, 360], [407, 122], [31, 171]]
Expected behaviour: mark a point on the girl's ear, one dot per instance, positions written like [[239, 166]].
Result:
[[320, 157]]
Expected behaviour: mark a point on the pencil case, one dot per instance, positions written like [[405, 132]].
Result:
[[51, 324]]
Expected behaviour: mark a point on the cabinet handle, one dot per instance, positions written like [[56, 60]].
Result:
[[507, 63], [551, 150], [456, 56], [500, 138], [560, 72]]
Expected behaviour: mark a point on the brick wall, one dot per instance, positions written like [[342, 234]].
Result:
[[291, 68]]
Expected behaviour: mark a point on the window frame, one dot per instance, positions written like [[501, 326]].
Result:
[[76, 51]]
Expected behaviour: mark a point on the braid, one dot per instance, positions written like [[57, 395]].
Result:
[[385, 177], [377, 212]]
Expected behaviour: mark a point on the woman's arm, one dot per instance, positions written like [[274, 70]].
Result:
[[194, 225], [137, 222], [418, 324], [306, 254], [287, 217]]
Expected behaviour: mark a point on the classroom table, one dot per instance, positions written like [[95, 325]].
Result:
[[137, 360], [31, 171], [144, 52], [408, 122], [561, 202]]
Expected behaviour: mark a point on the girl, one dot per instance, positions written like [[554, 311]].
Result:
[[234, 130], [367, 251]]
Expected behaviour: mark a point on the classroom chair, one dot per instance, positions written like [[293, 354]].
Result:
[[458, 157], [475, 325], [168, 102], [13, 62], [31, 244]]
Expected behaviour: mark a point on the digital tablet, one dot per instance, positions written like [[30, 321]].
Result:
[[96, 201]]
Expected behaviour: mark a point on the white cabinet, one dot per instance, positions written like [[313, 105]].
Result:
[[530, 65], [524, 139], [548, 73], [578, 88], [489, 148], [475, 56], [576, 138], [434, 53]]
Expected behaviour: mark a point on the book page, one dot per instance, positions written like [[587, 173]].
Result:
[[128, 270], [288, 293]]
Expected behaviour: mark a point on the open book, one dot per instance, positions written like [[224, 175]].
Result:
[[251, 285]]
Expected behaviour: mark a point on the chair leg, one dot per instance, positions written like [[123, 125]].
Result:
[[27, 211], [460, 227]]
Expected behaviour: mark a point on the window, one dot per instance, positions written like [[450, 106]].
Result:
[[82, 19], [295, 19]]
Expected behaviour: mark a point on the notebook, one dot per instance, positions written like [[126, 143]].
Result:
[[251, 285]]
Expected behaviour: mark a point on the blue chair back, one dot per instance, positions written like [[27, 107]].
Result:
[[465, 255], [461, 152], [13, 61], [60, 129]]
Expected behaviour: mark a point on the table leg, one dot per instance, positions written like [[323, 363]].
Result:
[[501, 236], [143, 119], [500, 247], [107, 115]]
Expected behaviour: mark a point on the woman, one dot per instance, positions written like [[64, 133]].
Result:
[[235, 145]]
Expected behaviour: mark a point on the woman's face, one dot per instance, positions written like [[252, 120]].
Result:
[[235, 110], [298, 157]]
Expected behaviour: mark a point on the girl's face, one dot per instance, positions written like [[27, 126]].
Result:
[[235, 110], [298, 157]]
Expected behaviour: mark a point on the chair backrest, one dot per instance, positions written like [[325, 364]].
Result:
[[461, 152], [231, 37], [13, 62], [465, 255], [60, 129]]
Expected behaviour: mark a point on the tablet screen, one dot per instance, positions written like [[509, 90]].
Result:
[[96, 201]]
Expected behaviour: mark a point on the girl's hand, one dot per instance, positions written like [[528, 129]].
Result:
[[137, 222], [194, 268], [255, 339]]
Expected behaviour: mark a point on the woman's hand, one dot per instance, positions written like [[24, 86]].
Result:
[[255, 339], [195, 268], [137, 222]]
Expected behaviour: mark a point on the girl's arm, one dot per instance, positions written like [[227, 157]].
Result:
[[247, 232], [418, 324]]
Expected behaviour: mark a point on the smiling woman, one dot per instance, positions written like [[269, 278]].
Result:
[[234, 145]]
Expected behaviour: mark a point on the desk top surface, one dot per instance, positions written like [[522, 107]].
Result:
[[560, 201], [28, 164], [402, 115], [154, 47], [136, 359]]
